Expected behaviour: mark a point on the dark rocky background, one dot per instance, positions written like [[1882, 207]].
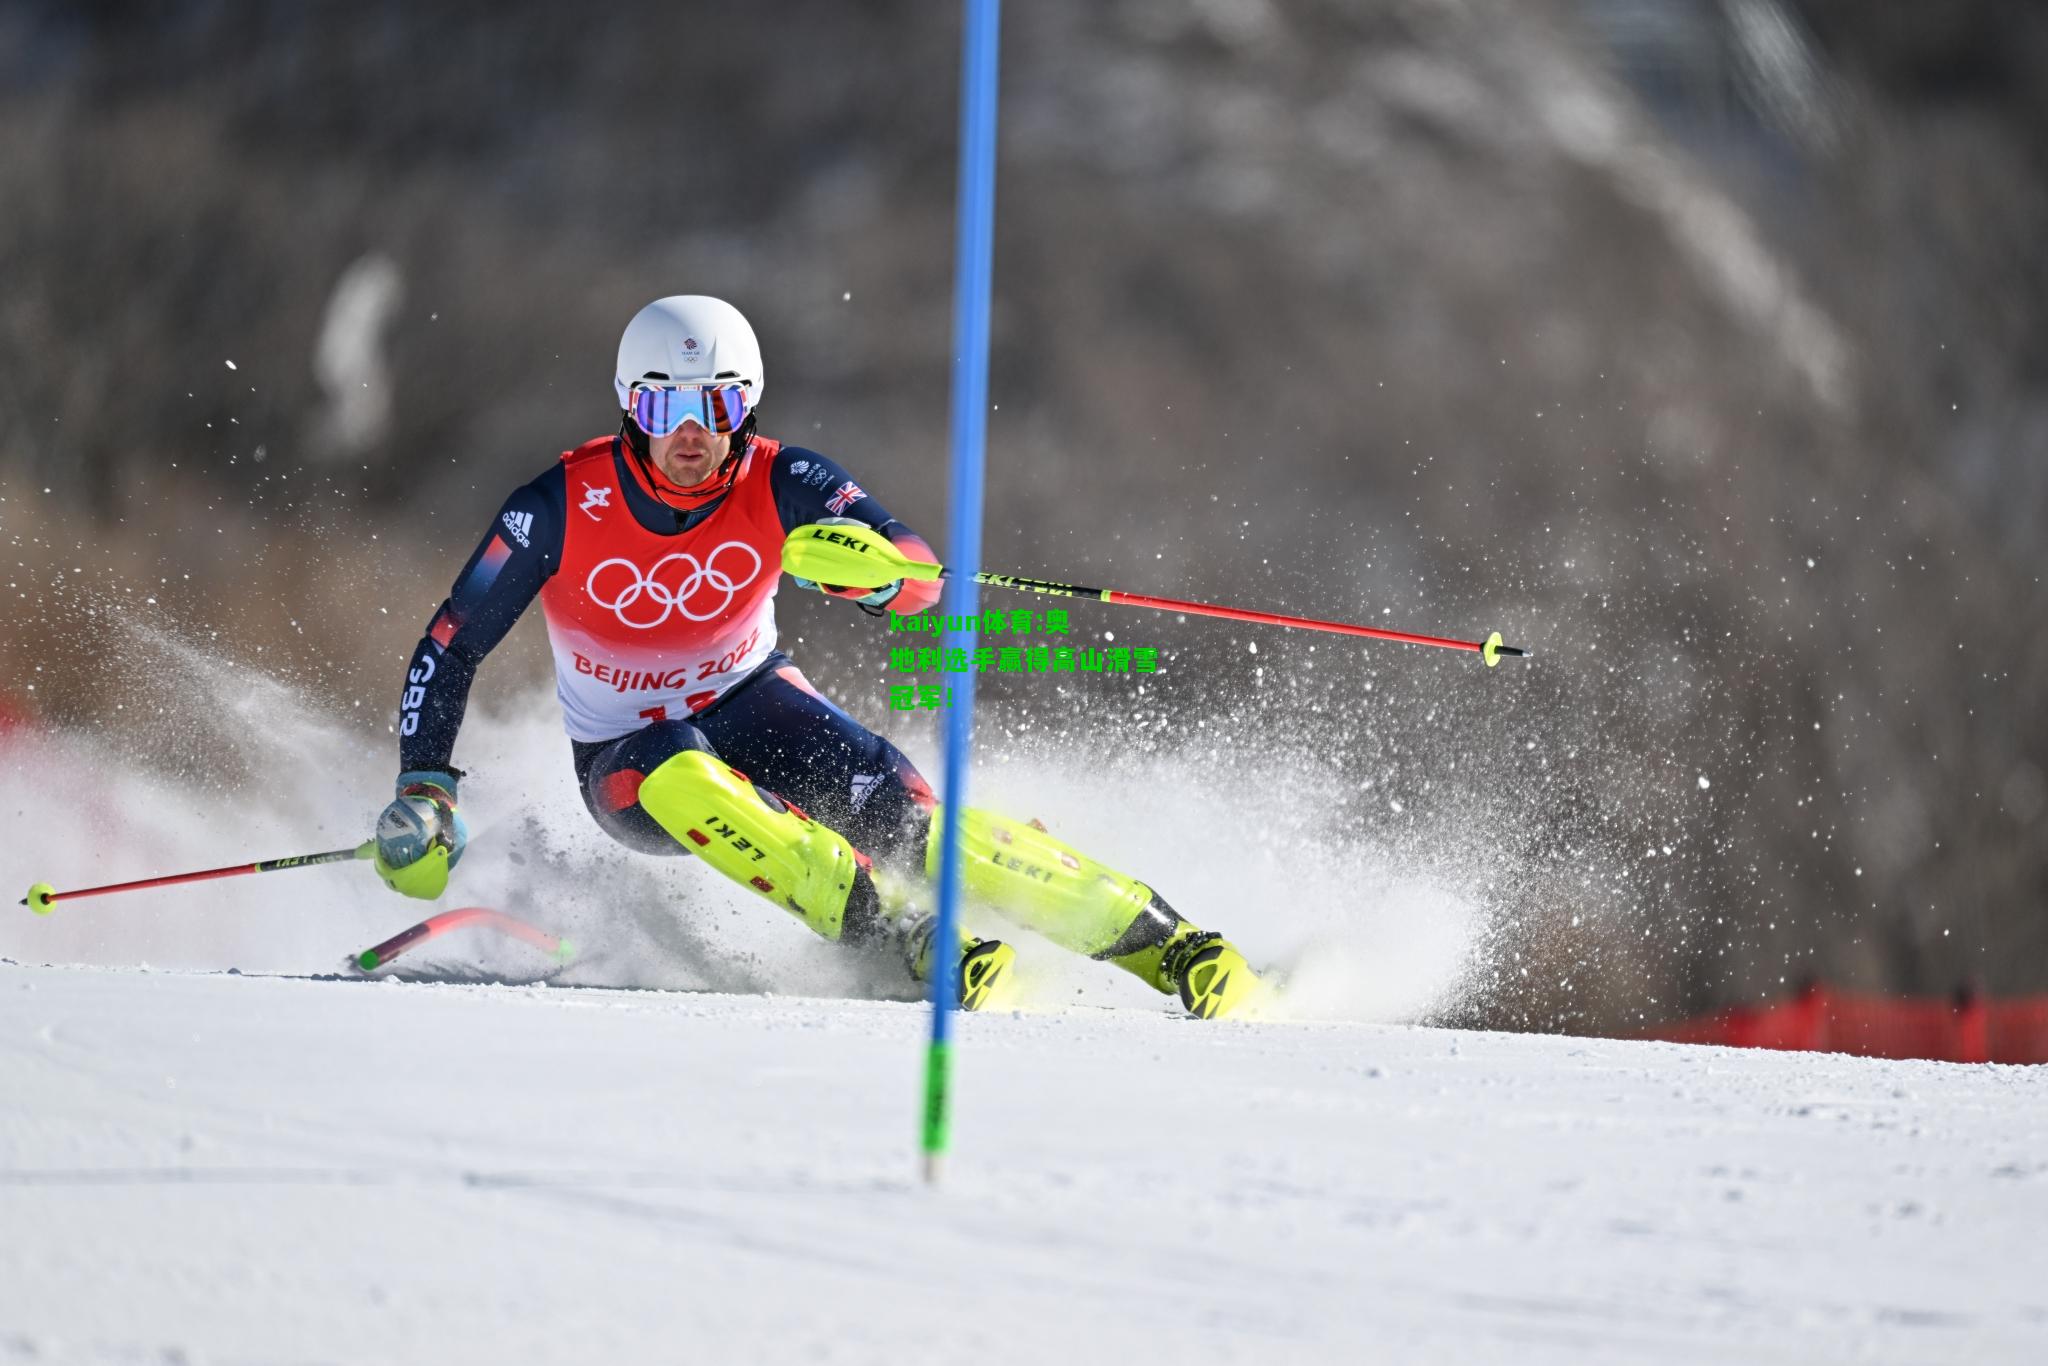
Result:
[[1700, 346]]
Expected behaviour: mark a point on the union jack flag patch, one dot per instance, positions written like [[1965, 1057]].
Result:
[[845, 496]]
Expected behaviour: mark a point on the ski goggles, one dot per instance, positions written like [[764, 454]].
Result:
[[662, 409]]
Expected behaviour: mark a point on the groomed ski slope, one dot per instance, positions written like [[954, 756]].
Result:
[[218, 1168]]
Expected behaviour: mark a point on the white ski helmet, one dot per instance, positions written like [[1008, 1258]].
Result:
[[690, 337]]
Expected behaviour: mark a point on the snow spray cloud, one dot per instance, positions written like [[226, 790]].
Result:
[[1237, 830], [1400, 843], [1407, 836], [212, 760], [206, 762], [218, 761]]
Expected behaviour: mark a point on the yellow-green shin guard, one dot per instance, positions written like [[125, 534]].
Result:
[[1042, 883], [753, 837]]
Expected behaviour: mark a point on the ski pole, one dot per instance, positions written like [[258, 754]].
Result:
[[43, 898], [856, 557]]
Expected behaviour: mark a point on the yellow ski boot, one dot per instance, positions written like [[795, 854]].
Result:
[[1209, 973], [985, 980]]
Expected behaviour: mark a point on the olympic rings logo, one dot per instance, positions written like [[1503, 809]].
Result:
[[671, 591]]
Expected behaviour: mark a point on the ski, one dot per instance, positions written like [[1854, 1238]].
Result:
[[434, 926]]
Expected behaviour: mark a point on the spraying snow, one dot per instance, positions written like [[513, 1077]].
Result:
[[224, 762]]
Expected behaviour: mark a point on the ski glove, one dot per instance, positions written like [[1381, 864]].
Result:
[[420, 836], [870, 600]]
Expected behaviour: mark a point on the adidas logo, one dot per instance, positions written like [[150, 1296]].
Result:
[[864, 785], [520, 524]]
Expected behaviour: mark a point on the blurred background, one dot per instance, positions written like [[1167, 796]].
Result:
[[1698, 345]]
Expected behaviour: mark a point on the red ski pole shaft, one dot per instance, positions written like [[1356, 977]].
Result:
[[42, 897], [1304, 623], [857, 557], [1490, 648]]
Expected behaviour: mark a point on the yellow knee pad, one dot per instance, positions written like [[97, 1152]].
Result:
[[753, 837]]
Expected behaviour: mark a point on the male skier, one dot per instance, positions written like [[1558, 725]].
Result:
[[656, 554]]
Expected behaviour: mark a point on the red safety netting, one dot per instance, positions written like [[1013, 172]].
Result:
[[1964, 1028]]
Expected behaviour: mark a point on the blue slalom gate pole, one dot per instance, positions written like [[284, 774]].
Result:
[[973, 260]]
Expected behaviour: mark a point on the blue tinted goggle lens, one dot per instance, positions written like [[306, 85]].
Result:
[[661, 411]]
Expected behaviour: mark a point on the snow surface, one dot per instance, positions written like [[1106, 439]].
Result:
[[223, 1168]]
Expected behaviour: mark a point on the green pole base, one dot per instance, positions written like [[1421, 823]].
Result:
[[938, 1076], [41, 898]]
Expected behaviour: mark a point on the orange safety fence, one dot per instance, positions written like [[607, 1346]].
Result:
[[1963, 1028]]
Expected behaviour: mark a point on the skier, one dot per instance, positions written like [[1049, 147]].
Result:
[[655, 553]]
